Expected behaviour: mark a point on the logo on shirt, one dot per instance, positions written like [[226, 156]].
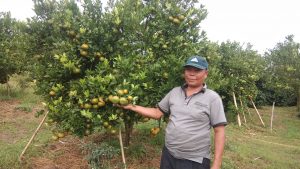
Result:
[[201, 104]]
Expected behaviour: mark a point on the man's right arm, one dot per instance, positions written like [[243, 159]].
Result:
[[154, 113]]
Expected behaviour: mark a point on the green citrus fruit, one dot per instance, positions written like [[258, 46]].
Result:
[[123, 101], [101, 103], [115, 99], [52, 93], [120, 92], [94, 101], [87, 106], [83, 53], [60, 135], [84, 46], [177, 21], [181, 17], [54, 137]]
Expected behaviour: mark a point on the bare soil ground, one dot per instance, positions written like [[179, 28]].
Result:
[[10, 115], [57, 155], [61, 155], [64, 154]]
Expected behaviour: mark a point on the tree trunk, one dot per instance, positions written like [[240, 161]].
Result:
[[128, 131], [8, 89]]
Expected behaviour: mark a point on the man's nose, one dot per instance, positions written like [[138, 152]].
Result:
[[192, 72]]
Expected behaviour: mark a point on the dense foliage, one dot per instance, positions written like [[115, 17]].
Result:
[[13, 46], [283, 85]]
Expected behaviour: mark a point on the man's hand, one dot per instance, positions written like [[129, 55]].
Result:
[[127, 107], [154, 113]]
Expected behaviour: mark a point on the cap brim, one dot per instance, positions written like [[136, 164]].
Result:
[[195, 65]]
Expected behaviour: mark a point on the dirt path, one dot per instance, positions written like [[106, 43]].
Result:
[[10, 117]]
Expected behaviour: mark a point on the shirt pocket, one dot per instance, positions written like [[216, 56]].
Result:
[[199, 112]]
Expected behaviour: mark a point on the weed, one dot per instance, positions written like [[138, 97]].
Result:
[[99, 155], [27, 107], [137, 151]]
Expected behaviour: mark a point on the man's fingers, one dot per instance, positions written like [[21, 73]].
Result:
[[127, 107], [117, 105]]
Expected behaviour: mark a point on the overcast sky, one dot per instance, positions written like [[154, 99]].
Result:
[[263, 23]]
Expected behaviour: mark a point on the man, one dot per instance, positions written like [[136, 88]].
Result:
[[193, 110]]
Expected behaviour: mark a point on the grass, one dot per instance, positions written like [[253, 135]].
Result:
[[15, 135], [10, 151], [17, 130], [20, 91], [253, 146]]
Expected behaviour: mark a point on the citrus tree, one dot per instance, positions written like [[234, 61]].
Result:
[[242, 67], [13, 47], [283, 69], [6, 64], [132, 51], [211, 50]]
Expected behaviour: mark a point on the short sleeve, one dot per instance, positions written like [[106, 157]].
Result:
[[217, 114], [164, 104]]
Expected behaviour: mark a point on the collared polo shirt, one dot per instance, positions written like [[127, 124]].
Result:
[[190, 121]]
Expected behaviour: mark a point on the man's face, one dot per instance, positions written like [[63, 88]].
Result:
[[194, 77]]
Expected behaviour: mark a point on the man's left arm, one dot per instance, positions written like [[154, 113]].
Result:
[[219, 142]]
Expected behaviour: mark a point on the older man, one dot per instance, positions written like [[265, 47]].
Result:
[[193, 109]]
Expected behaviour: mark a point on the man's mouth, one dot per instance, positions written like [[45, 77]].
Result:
[[191, 80]]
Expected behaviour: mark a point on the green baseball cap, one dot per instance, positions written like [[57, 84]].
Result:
[[197, 62]]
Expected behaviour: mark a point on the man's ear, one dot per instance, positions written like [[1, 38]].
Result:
[[206, 74]]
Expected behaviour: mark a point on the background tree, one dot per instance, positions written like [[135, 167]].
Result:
[[7, 66], [13, 47], [284, 72], [242, 68], [211, 51]]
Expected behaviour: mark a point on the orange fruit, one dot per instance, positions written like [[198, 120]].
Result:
[[84, 46], [52, 93]]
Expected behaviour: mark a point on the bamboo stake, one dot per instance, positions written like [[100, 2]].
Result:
[[257, 111], [272, 116], [122, 148], [243, 109], [248, 111], [32, 137], [238, 114]]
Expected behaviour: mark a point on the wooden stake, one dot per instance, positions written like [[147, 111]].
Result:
[[248, 111], [243, 109], [257, 111], [32, 137], [122, 148], [238, 114], [272, 116]]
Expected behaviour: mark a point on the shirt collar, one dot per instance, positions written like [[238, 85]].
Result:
[[184, 86]]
